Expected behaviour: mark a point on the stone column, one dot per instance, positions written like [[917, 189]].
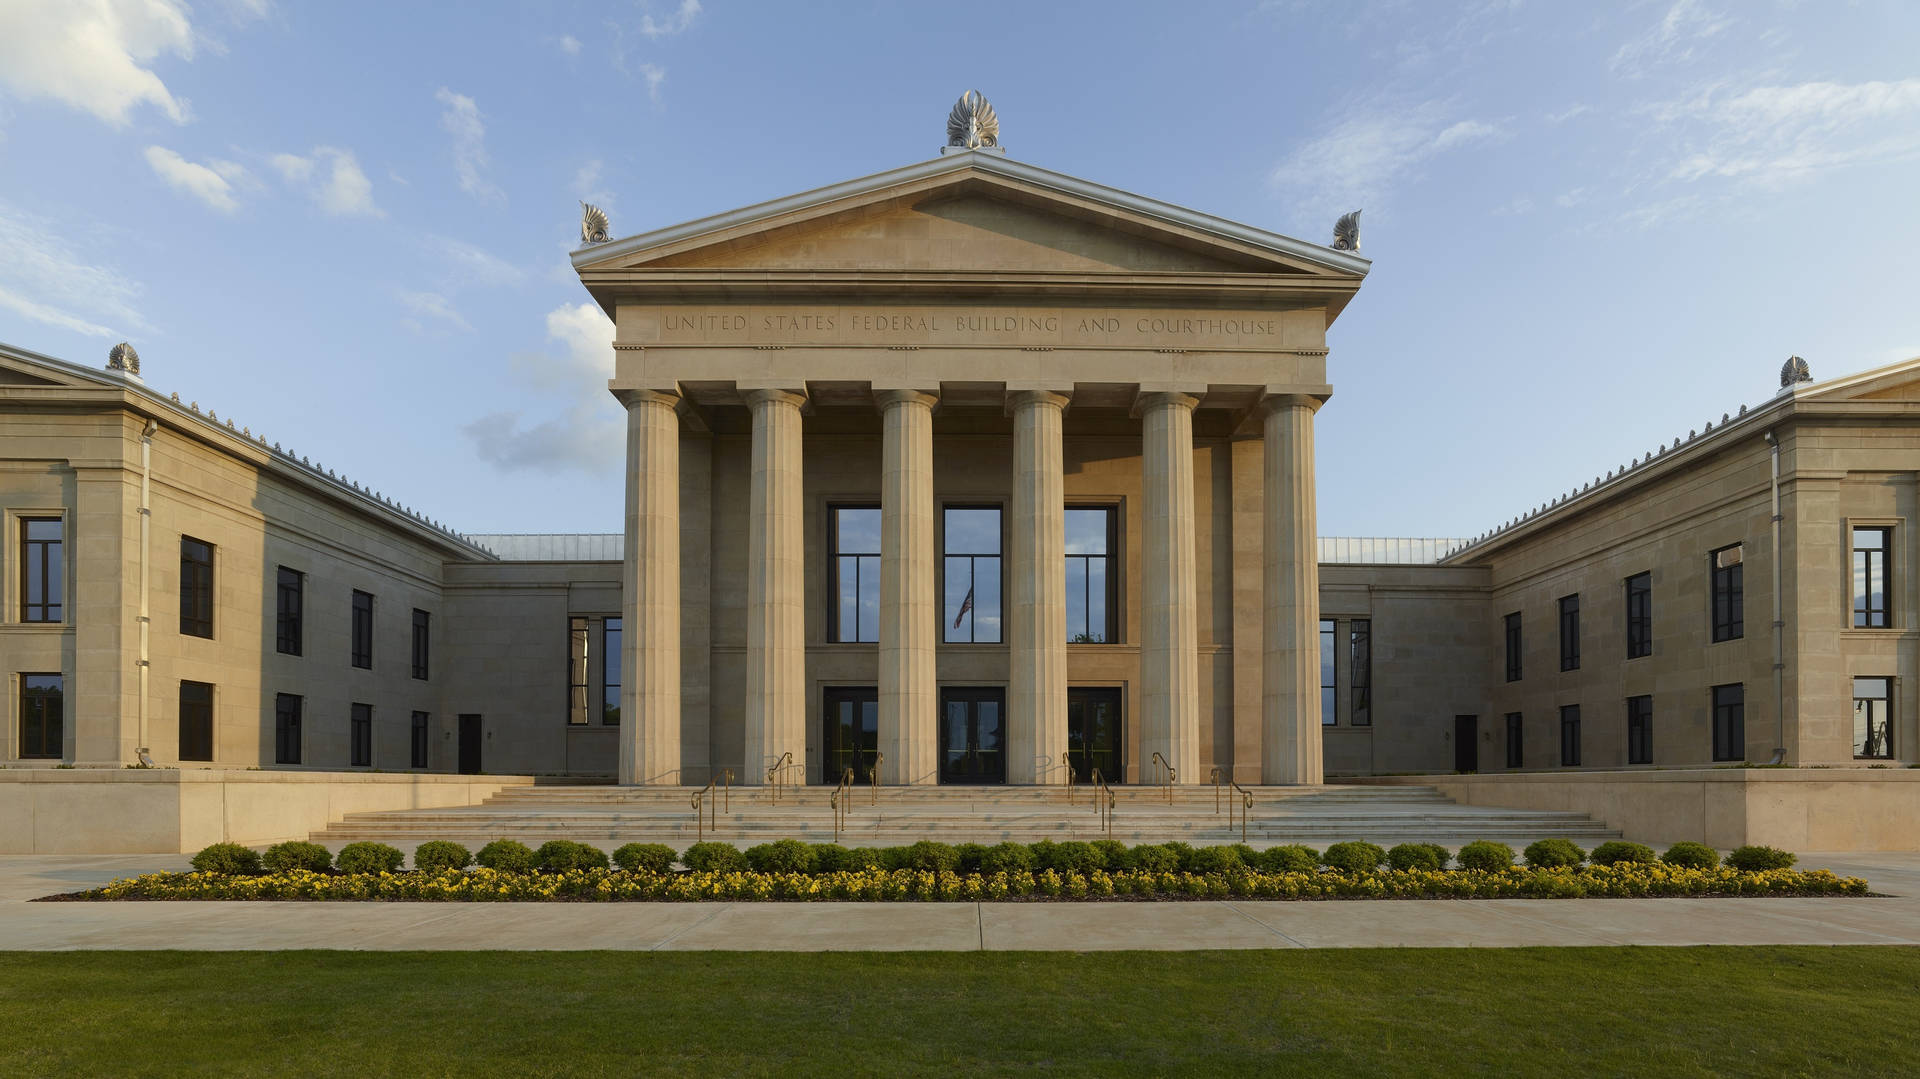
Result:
[[776, 603], [650, 641], [909, 618], [1290, 630], [1170, 635], [1037, 615]]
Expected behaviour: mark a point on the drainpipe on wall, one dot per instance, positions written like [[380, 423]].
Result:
[[146, 523], [1779, 625]]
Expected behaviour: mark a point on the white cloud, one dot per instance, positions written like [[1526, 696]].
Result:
[[655, 75], [462, 121], [433, 305], [588, 433], [332, 178], [212, 183], [1671, 40], [1568, 113], [1360, 159], [569, 44], [468, 264], [94, 55], [43, 280], [1774, 135], [681, 19]]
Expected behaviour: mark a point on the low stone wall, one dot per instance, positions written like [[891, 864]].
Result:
[[167, 811], [1799, 809]]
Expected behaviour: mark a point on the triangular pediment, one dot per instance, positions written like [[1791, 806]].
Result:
[[1894, 382], [19, 368]]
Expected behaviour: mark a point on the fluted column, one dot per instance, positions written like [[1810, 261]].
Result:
[[650, 576], [1170, 635], [909, 619], [1037, 615], [776, 604], [1290, 698]]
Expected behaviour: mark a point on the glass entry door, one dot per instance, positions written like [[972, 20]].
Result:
[[973, 734], [850, 733], [1094, 734]]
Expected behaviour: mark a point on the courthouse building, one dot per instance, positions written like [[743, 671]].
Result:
[[967, 472]]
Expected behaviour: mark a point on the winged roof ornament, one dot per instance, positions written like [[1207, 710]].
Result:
[[972, 123], [1346, 232], [122, 357], [1794, 370], [593, 224]]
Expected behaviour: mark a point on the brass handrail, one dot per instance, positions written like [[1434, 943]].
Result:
[[879, 758], [726, 792], [838, 801], [701, 805], [1213, 777], [1162, 762], [1246, 808], [1104, 808], [1069, 763], [776, 774]]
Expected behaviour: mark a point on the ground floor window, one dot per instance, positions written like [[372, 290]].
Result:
[[1640, 730], [1329, 679], [1872, 702], [286, 728], [42, 712], [419, 740], [1516, 745], [1730, 722], [1569, 736], [196, 721], [360, 736]]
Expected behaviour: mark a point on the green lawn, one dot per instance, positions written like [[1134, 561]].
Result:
[[1380, 1013]]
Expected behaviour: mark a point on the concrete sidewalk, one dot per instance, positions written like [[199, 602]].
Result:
[[1176, 926]]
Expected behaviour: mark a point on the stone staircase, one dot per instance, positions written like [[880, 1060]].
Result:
[[608, 816]]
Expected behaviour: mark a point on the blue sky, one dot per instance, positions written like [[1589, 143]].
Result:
[[346, 224]]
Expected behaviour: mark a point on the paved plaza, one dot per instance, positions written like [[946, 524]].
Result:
[[1893, 918]]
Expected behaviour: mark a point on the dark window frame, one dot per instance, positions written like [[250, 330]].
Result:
[[198, 747], [1110, 634], [948, 628], [360, 735], [612, 633], [1515, 645], [418, 743], [290, 600], [1878, 562], [1886, 727], [1639, 589], [362, 630], [51, 744], [1570, 632], [1516, 740], [1727, 591], [422, 644], [1569, 736], [1730, 722], [1329, 668], [288, 709], [1640, 729], [579, 640], [834, 555], [1360, 672], [37, 559], [196, 588]]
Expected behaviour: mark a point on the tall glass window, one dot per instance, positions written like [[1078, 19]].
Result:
[[1513, 647], [42, 569], [1569, 736], [286, 728], [610, 672], [577, 671], [1872, 562], [196, 721], [360, 736], [1090, 578], [291, 592], [972, 571], [1360, 671], [418, 740], [1329, 676], [422, 624], [196, 587], [1639, 615], [363, 630], [1640, 730], [1570, 632], [1730, 722], [856, 574], [1729, 606], [42, 715], [1516, 743], [1872, 716]]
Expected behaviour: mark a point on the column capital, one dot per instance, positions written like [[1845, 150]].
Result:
[[629, 397], [1026, 395], [1310, 400], [1149, 398], [885, 398], [755, 396]]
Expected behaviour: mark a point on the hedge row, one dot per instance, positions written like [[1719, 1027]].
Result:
[[791, 856], [1623, 880]]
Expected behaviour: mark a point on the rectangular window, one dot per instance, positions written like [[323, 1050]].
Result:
[[1570, 632], [855, 543], [422, 622], [1360, 670], [43, 576], [1329, 677], [1091, 610], [1516, 744], [196, 721], [1639, 615], [610, 672], [288, 620], [577, 688], [1513, 647], [972, 571], [360, 736], [1872, 716], [1569, 736], [1729, 619], [286, 728], [419, 740], [362, 630], [1640, 730], [196, 587], [42, 715], [1730, 722], [1872, 564]]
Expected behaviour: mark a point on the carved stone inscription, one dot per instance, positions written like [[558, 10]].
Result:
[[1028, 327]]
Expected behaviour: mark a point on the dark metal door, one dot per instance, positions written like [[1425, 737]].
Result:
[[1466, 743], [1094, 734], [850, 733], [470, 737], [973, 734]]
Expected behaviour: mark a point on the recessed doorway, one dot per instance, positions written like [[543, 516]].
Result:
[[973, 734], [849, 733], [1094, 734]]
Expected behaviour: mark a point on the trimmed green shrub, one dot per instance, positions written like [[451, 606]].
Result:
[[1072, 856], [440, 854], [930, 857], [231, 859], [1354, 857], [829, 858], [1211, 860], [1690, 855], [1292, 858], [1485, 855], [1615, 852], [311, 857], [1752, 859], [781, 856], [711, 857], [891, 859], [368, 858], [969, 855], [1156, 857], [1410, 856], [1007, 858], [1112, 854], [644, 858], [859, 858], [506, 856], [561, 855], [1554, 853]]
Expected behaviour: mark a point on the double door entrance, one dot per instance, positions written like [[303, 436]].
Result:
[[973, 734]]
